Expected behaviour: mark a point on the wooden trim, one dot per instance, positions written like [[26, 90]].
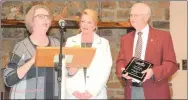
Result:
[[70, 24]]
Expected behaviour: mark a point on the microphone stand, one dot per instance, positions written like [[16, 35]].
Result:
[[58, 67]]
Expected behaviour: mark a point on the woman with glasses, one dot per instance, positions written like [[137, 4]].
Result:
[[89, 83], [26, 80]]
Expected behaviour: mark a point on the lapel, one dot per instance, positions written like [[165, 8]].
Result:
[[97, 40], [77, 40], [150, 44], [130, 48]]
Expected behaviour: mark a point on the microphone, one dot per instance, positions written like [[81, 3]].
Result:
[[58, 67], [62, 23]]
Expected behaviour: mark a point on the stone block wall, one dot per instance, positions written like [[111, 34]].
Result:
[[111, 10]]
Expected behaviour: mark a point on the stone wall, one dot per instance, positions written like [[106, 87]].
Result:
[[112, 10]]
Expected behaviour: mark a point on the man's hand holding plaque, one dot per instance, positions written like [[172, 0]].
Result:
[[137, 69]]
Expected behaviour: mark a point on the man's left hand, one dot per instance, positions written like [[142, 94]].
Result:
[[149, 74]]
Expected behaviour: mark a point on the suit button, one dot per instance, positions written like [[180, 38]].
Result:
[[87, 76]]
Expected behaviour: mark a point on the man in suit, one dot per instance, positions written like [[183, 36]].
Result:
[[148, 44], [1, 80]]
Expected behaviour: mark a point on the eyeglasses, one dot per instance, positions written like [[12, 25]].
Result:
[[42, 16], [136, 15]]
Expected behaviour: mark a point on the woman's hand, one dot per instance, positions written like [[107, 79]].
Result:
[[84, 95], [33, 59], [78, 94], [72, 71]]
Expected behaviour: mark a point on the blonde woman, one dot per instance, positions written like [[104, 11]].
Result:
[[89, 83], [25, 79]]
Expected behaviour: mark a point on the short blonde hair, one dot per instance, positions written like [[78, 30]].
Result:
[[92, 13], [30, 14]]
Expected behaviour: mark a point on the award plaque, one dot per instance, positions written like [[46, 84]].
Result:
[[135, 67]]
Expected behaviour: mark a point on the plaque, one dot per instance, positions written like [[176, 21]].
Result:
[[135, 68], [184, 64]]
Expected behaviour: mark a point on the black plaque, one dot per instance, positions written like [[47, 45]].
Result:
[[184, 64], [135, 67]]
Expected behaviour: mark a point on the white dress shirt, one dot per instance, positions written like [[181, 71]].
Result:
[[145, 32]]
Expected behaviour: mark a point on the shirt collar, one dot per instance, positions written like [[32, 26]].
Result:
[[145, 30]]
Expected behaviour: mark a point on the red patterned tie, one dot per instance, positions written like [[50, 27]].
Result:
[[138, 49]]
